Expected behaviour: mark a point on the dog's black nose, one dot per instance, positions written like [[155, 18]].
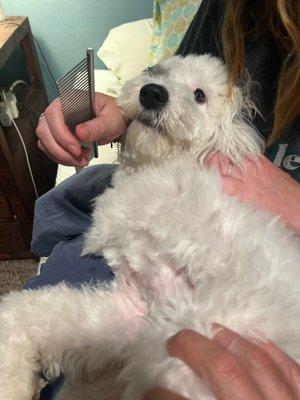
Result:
[[153, 96]]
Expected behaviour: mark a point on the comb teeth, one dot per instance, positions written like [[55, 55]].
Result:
[[76, 93]]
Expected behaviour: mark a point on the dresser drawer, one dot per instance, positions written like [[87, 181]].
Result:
[[11, 239], [5, 210]]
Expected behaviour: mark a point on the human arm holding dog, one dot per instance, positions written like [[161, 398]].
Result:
[[234, 368], [263, 184]]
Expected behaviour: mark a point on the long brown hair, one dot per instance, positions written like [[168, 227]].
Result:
[[282, 17]]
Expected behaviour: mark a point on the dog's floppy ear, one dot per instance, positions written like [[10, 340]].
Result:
[[236, 136]]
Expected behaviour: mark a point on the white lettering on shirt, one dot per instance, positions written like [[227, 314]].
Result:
[[280, 154], [291, 162]]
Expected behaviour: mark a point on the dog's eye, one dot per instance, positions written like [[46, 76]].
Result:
[[199, 96]]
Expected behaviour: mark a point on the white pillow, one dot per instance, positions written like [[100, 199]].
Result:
[[107, 82], [126, 49]]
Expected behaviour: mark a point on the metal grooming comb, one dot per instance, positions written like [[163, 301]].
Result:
[[77, 95]]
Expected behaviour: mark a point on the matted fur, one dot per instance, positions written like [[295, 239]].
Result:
[[184, 253]]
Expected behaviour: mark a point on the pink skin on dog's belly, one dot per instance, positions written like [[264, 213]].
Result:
[[166, 282], [130, 303], [169, 283], [153, 281]]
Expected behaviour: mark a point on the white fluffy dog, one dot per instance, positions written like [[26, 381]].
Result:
[[184, 253]]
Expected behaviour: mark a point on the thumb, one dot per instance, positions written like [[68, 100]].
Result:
[[91, 130]]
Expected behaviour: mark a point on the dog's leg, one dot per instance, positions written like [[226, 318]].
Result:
[[102, 385], [43, 330]]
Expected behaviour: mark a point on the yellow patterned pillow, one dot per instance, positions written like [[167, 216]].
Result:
[[171, 19]]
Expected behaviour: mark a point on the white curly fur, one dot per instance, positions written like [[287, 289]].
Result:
[[185, 255]]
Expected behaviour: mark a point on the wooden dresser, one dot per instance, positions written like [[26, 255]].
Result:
[[17, 195]]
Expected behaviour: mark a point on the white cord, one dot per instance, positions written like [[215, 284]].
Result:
[[24, 147], [18, 82], [27, 158]]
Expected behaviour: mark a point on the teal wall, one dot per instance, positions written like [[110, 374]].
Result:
[[65, 28]]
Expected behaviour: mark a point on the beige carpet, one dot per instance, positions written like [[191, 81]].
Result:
[[13, 274]]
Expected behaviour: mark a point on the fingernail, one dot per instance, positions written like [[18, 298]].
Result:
[[81, 130], [176, 344], [169, 342], [221, 335], [79, 126], [216, 328], [172, 345], [261, 342], [84, 161], [74, 150]]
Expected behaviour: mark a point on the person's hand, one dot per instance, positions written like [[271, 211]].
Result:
[[234, 368], [265, 185], [56, 140]]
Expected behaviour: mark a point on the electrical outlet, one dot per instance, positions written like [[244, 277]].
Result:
[[8, 108], [11, 101], [5, 114]]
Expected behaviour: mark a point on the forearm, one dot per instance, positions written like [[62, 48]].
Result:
[[264, 185]]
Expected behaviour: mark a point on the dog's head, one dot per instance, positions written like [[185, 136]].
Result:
[[183, 105]]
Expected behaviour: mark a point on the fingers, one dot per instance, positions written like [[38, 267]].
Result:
[[50, 147], [64, 147], [60, 132], [91, 131], [81, 161], [259, 365], [225, 166], [108, 124], [231, 174], [234, 367], [162, 394], [289, 368], [224, 373], [232, 187]]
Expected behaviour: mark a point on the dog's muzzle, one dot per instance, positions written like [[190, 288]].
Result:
[[153, 96]]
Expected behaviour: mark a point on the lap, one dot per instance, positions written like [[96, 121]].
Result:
[[65, 263], [64, 212]]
